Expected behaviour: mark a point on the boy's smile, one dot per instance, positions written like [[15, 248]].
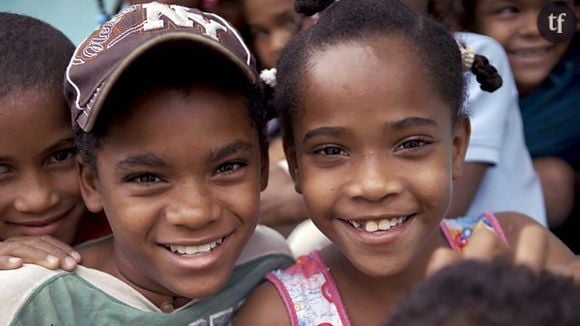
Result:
[[179, 180], [375, 159], [513, 23], [39, 191]]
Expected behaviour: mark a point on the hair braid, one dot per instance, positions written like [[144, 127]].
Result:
[[486, 74]]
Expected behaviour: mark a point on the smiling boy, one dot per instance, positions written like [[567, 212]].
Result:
[[166, 108]]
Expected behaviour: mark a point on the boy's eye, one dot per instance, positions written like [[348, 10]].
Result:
[[230, 167], [4, 169], [144, 178], [413, 143], [62, 155], [330, 151]]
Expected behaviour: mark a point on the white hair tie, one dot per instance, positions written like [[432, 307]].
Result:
[[268, 76], [467, 56]]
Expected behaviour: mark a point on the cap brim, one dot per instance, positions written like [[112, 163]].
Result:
[[196, 41]]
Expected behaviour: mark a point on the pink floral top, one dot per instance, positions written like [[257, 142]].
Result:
[[309, 291]]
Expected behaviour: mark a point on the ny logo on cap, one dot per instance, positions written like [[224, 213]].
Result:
[[180, 16]]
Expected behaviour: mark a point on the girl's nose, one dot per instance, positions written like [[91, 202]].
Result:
[[373, 180], [36, 194]]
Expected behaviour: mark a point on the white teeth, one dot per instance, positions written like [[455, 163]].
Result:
[[384, 225], [193, 250], [371, 226]]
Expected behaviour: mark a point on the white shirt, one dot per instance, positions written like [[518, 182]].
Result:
[[510, 182]]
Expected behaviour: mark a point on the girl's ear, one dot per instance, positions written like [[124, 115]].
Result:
[[89, 187], [264, 168], [290, 152], [461, 134]]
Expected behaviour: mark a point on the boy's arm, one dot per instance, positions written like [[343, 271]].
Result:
[[263, 307], [43, 250]]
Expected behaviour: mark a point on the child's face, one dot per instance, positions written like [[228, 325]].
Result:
[[513, 23], [179, 178], [272, 24], [39, 189], [375, 145]]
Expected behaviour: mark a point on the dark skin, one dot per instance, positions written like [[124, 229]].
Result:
[[355, 169]]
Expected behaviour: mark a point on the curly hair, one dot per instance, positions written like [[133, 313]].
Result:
[[494, 293]]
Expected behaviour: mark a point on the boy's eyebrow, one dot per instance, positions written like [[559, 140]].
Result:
[[148, 159], [231, 148], [324, 131], [62, 142], [412, 122]]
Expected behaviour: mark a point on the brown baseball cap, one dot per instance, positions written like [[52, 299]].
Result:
[[101, 59]]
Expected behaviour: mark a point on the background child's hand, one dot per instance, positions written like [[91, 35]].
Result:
[[43, 250], [530, 248]]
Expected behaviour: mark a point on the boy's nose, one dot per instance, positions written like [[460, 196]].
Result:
[[373, 180], [192, 208], [36, 194]]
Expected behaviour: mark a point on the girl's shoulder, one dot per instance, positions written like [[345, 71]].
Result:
[[264, 306], [459, 231]]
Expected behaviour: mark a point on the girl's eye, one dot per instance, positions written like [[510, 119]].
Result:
[[4, 168], [330, 151], [413, 143], [62, 155], [230, 167], [144, 178]]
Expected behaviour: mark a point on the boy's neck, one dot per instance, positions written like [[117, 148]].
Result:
[[101, 256]]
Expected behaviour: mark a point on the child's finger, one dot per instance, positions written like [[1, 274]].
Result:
[[64, 247], [29, 254], [531, 248], [55, 248], [9, 262], [484, 245], [440, 258]]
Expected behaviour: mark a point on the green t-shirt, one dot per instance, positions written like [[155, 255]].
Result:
[[87, 296]]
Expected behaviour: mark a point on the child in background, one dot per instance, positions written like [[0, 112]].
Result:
[[374, 150], [548, 79], [167, 111], [461, 295], [41, 208], [271, 25]]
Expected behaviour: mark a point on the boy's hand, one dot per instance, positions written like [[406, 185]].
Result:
[[43, 250]]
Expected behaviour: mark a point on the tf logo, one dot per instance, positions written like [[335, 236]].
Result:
[[557, 22]]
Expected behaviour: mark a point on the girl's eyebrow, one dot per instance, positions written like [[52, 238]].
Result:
[[324, 131], [148, 159], [412, 122]]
